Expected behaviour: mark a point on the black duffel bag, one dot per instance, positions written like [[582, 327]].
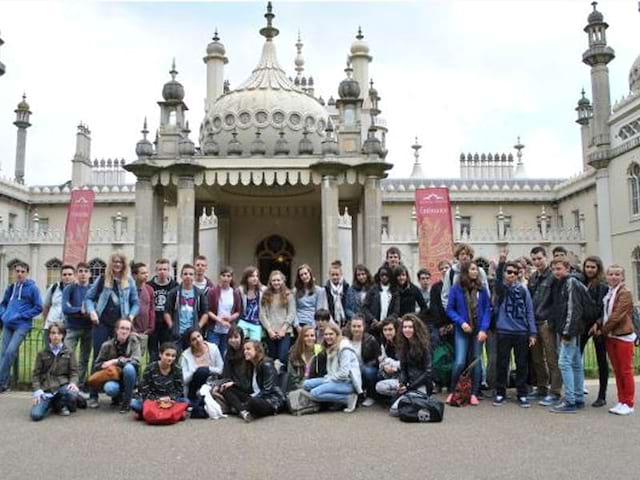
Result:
[[418, 407]]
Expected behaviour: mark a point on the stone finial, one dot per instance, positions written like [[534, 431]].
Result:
[[282, 146]]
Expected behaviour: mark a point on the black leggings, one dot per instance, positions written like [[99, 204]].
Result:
[[601, 356], [240, 400], [199, 378]]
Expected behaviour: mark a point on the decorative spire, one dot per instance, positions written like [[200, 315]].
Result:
[[417, 167], [359, 36], [299, 61], [215, 35], [144, 130], [519, 147], [269, 32], [520, 171], [173, 72]]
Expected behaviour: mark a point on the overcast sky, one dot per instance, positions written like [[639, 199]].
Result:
[[461, 75]]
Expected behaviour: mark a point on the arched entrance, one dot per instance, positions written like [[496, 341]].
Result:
[[274, 253]]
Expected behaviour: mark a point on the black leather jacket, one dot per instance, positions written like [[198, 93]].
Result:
[[267, 380], [416, 372]]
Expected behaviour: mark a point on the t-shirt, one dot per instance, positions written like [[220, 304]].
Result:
[[252, 311], [385, 301], [187, 302], [225, 305], [53, 300], [357, 346], [111, 313], [201, 285], [160, 293]]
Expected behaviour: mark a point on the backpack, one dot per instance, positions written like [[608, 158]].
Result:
[[462, 393], [418, 407], [591, 311], [442, 363], [300, 402]]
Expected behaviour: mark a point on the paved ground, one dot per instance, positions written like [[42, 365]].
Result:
[[475, 442]]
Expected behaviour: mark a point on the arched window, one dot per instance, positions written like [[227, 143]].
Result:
[[97, 268], [635, 255], [634, 188], [12, 273], [53, 271], [275, 253]]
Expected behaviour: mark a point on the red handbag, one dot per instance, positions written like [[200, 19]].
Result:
[[156, 412]]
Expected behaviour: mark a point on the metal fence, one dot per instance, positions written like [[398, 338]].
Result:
[[34, 342]]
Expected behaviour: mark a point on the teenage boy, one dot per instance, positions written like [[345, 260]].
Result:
[[322, 318], [336, 290], [201, 280], [20, 304], [566, 315], [52, 306], [145, 322], [393, 258], [77, 320], [161, 284], [424, 282], [544, 354], [515, 330], [186, 307], [561, 253]]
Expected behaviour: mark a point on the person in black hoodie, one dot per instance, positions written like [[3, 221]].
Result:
[[381, 301], [367, 350], [566, 317], [442, 326], [415, 359], [410, 295], [265, 398], [593, 271], [162, 283]]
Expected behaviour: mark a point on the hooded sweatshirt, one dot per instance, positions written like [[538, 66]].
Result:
[[21, 303]]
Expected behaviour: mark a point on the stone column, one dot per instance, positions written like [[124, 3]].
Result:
[[157, 226], [144, 220], [372, 222], [224, 237], [604, 216], [186, 216], [356, 236], [329, 205]]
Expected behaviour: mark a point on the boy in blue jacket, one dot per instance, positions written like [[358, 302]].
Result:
[[20, 304], [515, 328]]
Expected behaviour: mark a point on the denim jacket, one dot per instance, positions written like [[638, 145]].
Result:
[[129, 302]]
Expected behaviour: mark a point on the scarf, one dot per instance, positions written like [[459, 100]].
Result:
[[471, 299], [609, 301], [338, 310]]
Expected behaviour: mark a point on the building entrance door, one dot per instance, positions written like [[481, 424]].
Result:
[[275, 253]]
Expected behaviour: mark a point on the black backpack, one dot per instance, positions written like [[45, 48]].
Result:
[[418, 407], [591, 310]]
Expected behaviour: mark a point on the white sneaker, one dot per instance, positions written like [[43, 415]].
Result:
[[585, 390], [615, 408], [624, 409], [367, 402], [352, 403]]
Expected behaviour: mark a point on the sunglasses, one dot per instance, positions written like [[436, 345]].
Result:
[[511, 272]]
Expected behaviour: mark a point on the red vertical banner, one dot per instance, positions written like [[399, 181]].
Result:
[[76, 232], [435, 232]]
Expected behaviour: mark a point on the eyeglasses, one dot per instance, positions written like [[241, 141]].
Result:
[[511, 272]]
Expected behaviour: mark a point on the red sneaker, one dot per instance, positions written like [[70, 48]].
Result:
[[474, 400], [448, 402]]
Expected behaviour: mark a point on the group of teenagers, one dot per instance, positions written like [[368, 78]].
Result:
[[339, 345]]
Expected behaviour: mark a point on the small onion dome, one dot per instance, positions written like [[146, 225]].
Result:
[[359, 46], [173, 90], [331, 102], [634, 77], [329, 144], [234, 147], [215, 47], [23, 106], [305, 146], [186, 146], [584, 101], [257, 146], [210, 146], [349, 87], [282, 146], [595, 16], [372, 145], [144, 148]]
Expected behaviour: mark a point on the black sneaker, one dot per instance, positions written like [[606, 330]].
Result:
[[600, 402], [499, 401], [64, 412]]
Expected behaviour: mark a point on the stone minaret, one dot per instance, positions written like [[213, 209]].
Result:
[[597, 56], [215, 61], [585, 113], [22, 122], [81, 172], [360, 59]]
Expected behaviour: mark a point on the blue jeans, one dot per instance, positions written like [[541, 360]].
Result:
[[467, 348], [369, 379], [125, 386], [100, 334], [279, 349], [11, 340], [61, 398], [570, 365], [220, 339], [323, 390]]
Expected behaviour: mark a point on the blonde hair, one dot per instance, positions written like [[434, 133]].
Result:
[[108, 273], [336, 329], [615, 266], [283, 295]]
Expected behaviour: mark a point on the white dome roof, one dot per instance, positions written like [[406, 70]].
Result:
[[634, 77], [268, 101]]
